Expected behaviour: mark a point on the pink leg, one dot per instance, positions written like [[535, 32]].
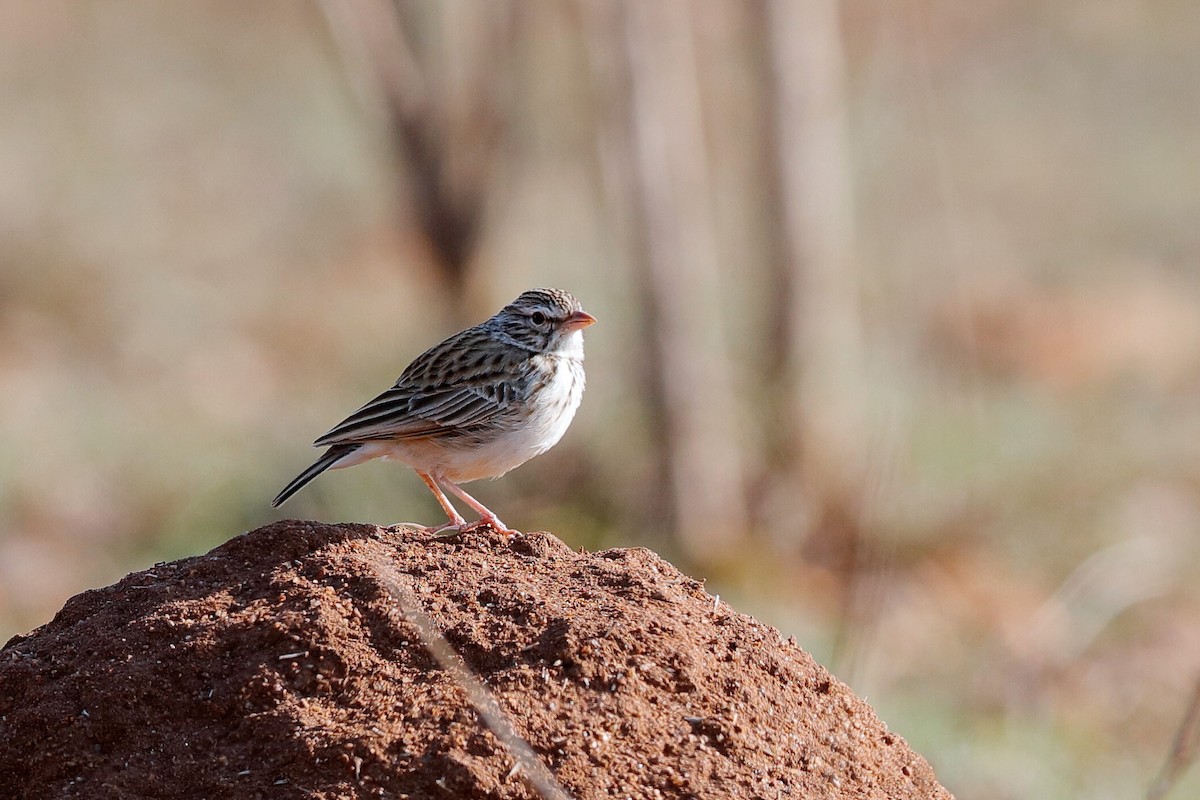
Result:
[[485, 513], [456, 519]]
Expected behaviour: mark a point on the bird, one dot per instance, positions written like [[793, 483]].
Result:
[[476, 405]]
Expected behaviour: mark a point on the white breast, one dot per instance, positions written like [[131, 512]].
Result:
[[551, 413]]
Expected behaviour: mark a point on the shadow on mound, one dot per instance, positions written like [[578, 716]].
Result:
[[278, 665]]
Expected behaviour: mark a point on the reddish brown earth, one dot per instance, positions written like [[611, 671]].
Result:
[[279, 665]]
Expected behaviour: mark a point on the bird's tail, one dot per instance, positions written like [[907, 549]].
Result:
[[331, 457]]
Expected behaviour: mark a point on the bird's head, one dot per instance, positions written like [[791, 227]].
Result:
[[545, 320]]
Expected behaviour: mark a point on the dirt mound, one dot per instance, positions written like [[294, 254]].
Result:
[[280, 665]]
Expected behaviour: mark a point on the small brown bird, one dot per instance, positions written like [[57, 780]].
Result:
[[475, 406]]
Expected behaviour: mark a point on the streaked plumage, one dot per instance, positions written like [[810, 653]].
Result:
[[474, 406]]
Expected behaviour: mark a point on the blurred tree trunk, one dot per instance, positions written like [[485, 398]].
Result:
[[822, 481], [646, 65], [444, 120], [818, 299], [691, 370]]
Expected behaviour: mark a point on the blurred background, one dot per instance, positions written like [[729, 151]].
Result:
[[899, 303]]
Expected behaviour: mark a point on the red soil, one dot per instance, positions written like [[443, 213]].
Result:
[[279, 665]]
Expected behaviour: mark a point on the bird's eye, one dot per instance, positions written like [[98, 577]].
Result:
[[538, 318]]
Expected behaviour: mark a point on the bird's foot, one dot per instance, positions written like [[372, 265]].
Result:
[[493, 522]]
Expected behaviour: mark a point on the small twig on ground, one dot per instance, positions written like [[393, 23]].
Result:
[[1183, 752], [530, 766]]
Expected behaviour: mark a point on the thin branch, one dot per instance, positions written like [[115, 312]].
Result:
[[1183, 752], [531, 767]]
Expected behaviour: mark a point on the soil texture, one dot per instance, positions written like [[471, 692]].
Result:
[[283, 664]]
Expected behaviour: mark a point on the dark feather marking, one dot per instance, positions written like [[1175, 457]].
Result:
[[331, 457]]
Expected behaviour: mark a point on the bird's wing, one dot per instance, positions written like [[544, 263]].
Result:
[[404, 412], [466, 391]]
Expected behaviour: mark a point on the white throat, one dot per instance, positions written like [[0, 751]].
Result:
[[571, 346]]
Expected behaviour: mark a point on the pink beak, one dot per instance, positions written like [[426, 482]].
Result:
[[578, 321]]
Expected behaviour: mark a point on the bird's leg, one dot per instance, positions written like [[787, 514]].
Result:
[[456, 519], [485, 513]]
